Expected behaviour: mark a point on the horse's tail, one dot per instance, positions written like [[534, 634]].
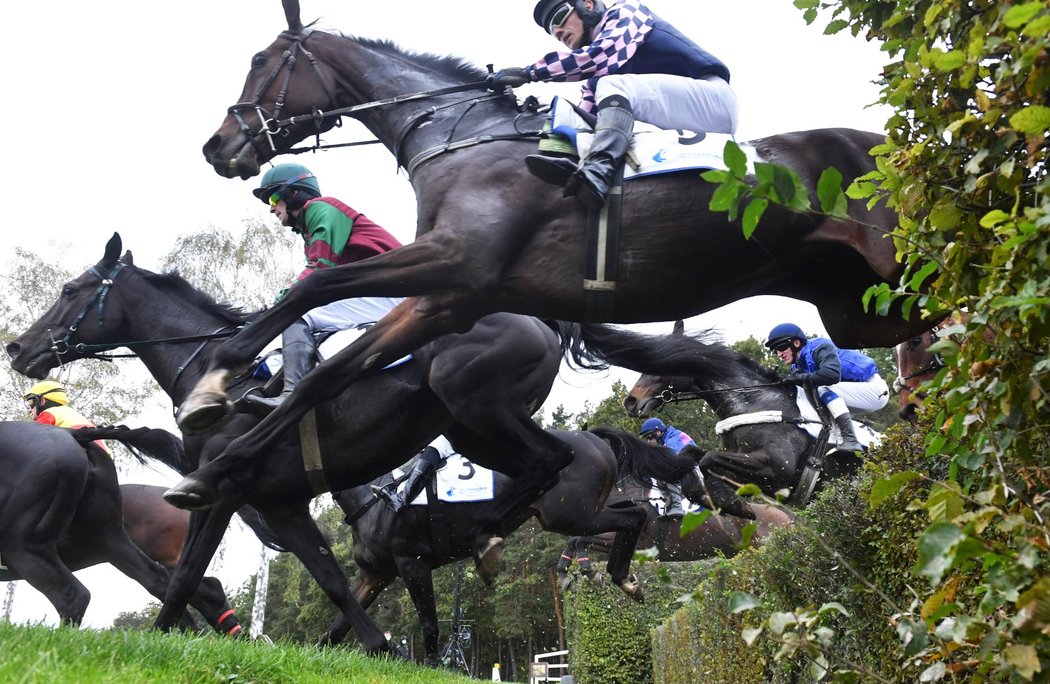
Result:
[[643, 461], [153, 442], [598, 346]]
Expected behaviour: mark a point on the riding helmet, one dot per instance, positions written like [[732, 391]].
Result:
[[284, 176], [544, 10], [783, 333], [48, 389], [651, 425]]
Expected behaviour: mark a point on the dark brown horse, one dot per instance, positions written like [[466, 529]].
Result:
[[490, 237], [421, 538], [61, 510], [917, 363], [479, 388]]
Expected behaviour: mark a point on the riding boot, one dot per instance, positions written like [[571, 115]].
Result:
[[414, 484], [298, 352], [591, 178], [849, 436], [673, 501]]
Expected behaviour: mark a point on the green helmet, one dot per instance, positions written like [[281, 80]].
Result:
[[284, 176]]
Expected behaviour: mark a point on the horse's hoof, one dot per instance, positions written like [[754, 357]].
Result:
[[633, 588], [191, 494], [489, 558], [199, 417]]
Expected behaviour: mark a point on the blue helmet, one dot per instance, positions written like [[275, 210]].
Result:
[[784, 332], [651, 425]]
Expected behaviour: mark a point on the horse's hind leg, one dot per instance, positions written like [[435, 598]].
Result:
[[44, 571], [419, 580], [627, 520], [367, 587]]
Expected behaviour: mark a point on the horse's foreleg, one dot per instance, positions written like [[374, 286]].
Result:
[[205, 533], [628, 521], [44, 571], [366, 589], [299, 534], [419, 580]]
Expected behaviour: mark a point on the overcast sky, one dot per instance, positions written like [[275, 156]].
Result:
[[107, 108]]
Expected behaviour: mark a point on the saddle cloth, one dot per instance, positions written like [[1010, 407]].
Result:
[[653, 151], [458, 481], [811, 423]]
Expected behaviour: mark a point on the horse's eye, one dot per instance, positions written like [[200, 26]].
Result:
[[915, 342], [259, 60], [67, 291]]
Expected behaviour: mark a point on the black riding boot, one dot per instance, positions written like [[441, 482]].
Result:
[[298, 353], [672, 501], [849, 437], [591, 177], [414, 484]]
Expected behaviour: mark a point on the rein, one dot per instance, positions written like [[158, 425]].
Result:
[[669, 396], [271, 124]]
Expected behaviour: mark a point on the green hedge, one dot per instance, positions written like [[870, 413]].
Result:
[[703, 642]]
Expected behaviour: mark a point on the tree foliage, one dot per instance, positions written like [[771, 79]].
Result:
[[965, 167]]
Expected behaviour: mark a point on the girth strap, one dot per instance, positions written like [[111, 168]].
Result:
[[311, 448]]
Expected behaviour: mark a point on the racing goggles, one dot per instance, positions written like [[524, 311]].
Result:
[[560, 16]]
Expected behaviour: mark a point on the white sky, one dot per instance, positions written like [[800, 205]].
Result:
[[106, 112]]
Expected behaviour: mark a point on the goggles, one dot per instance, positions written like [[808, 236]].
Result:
[[560, 16], [32, 399], [274, 199], [780, 346]]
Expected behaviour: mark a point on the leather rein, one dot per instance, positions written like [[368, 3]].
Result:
[[272, 125]]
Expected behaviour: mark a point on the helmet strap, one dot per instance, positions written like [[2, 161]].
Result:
[[590, 17]]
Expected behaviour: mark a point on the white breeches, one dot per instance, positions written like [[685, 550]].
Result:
[[675, 102], [862, 397], [349, 313]]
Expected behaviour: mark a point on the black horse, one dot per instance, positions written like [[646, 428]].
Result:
[[61, 511], [418, 539], [493, 238], [764, 444], [479, 388]]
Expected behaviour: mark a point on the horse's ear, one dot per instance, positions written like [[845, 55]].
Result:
[[291, 13], [679, 327], [109, 259], [128, 258]]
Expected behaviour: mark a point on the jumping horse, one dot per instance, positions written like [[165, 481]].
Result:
[[724, 535], [771, 451], [479, 388], [420, 538], [61, 510], [491, 237]]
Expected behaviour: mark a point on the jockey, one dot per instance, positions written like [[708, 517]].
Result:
[[846, 379], [655, 430], [430, 460], [634, 66], [333, 234], [49, 404]]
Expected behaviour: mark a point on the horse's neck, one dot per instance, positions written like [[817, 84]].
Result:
[[366, 73], [174, 366]]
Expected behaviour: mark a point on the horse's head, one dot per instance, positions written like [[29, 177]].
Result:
[[286, 80], [80, 315], [651, 392]]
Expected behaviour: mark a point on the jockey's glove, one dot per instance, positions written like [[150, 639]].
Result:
[[795, 378], [513, 77]]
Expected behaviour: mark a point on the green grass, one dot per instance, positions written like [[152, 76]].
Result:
[[32, 654]]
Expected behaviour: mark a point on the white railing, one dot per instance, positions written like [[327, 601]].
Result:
[[542, 670]]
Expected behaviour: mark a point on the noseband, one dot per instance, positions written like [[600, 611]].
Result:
[[270, 121], [937, 363]]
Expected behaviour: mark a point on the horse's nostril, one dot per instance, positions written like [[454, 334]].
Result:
[[13, 348]]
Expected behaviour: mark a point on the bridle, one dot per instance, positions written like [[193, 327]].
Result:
[[65, 346], [669, 396], [936, 364], [272, 125]]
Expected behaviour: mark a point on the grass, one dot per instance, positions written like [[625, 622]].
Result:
[[37, 654]]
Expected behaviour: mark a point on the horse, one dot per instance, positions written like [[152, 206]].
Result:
[[420, 538], [723, 535], [479, 388], [61, 510], [491, 237], [767, 449], [917, 363]]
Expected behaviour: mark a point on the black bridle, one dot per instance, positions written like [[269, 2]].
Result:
[[669, 396], [65, 346], [271, 124], [936, 364]]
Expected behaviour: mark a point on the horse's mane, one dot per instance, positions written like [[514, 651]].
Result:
[[699, 353], [173, 283], [453, 67]]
